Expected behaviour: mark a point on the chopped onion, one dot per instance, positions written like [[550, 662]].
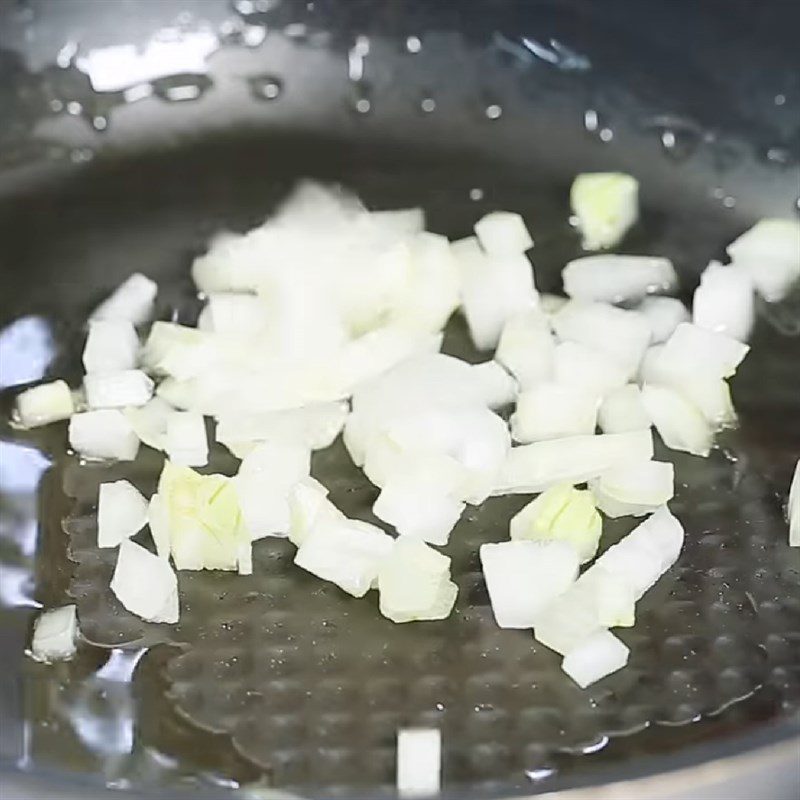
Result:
[[308, 502], [233, 263], [263, 483], [150, 422], [591, 370], [158, 522], [663, 315], [121, 513], [553, 411], [606, 205], [622, 410], [527, 347], [400, 221], [623, 335], [500, 388], [418, 509], [111, 346], [233, 315], [414, 583], [203, 517], [132, 301], [129, 387], [313, 426], [346, 552], [145, 584], [523, 577], [535, 467], [678, 421], [723, 302], [54, 634], [564, 513], [43, 404], [245, 558], [186, 441], [177, 351], [551, 304], [105, 433], [634, 489], [503, 233], [616, 278], [794, 508], [597, 656], [697, 351], [419, 762], [493, 289], [770, 252]]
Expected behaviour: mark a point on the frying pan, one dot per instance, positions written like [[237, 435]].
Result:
[[114, 160]]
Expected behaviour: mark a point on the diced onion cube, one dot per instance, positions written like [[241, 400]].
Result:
[[663, 315], [121, 513], [553, 411], [622, 410], [503, 233], [700, 352], [500, 388], [723, 302], [150, 421], [132, 301], [616, 279], [105, 434], [145, 584], [308, 503], [527, 347], [419, 757], [589, 369], [606, 205], [54, 634], [523, 577], [43, 404], [594, 658], [400, 221], [634, 489], [234, 315], [111, 346], [117, 389], [186, 442], [678, 421]]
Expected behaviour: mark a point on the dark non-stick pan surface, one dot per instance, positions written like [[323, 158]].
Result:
[[280, 678]]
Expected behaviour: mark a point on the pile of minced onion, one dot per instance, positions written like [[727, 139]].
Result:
[[328, 319]]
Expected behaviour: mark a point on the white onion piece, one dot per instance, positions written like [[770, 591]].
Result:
[[634, 489], [105, 433], [178, 394], [617, 278], [264, 482], [233, 263], [723, 302], [414, 583], [348, 553], [121, 513], [232, 314], [499, 387], [314, 426], [523, 577], [186, 441], [623, 335], [599, 655], [551, 304], [493, 289], [129, 387], [678, 421], [527, 347], [503, 233], [158, 522], [145, 584], [794, 508], [400, 221], [535, 467], [553, 411], [606, 205], [419, 762], [418, 509], [591, 370], [663, 315], [622, 410], [43, 404], [178, 351], [770, 252], [111, 346], [150, 422], [564, 513], [132, 301], [244, 558], [54, 634], [308, 502], [697, 351]]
